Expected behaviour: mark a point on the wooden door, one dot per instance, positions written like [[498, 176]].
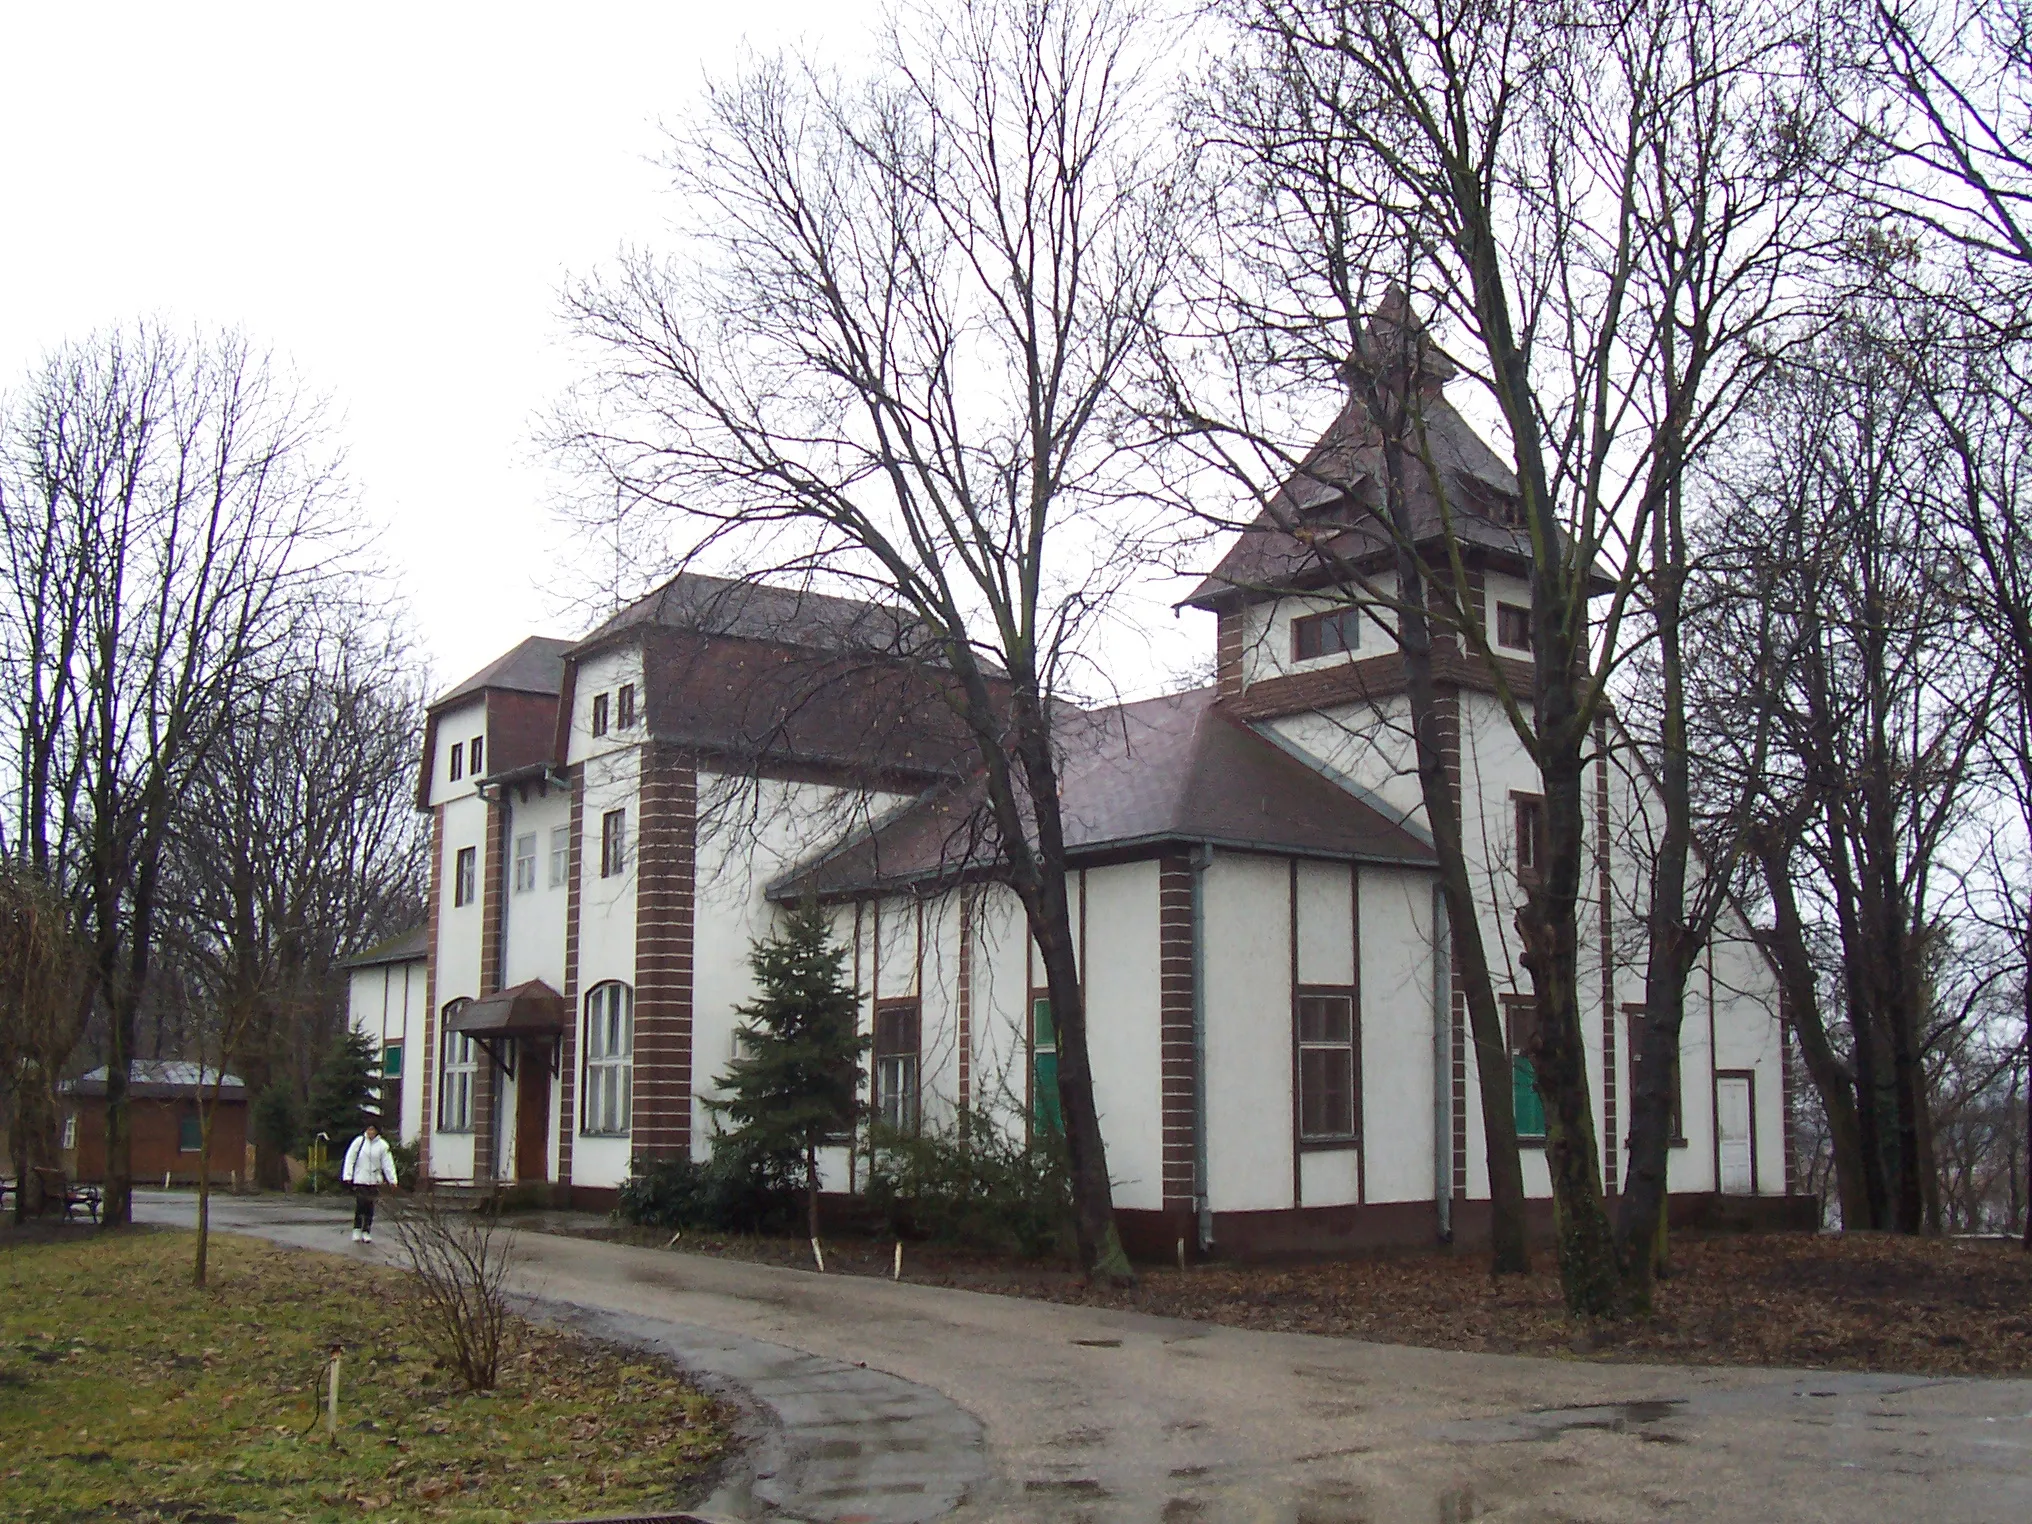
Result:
[[1735, 1134], [532, 1112]]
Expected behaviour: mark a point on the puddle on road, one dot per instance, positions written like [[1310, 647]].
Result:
[[1637, 1418]]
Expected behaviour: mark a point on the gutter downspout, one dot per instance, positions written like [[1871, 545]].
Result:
[[1442, 1064], [1202, 859]]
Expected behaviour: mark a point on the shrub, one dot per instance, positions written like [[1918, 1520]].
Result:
[[408, 1159], [459, 1297], [975, 1184], [731, 1192]]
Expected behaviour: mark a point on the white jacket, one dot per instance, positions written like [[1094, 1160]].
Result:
[[368, 1162]]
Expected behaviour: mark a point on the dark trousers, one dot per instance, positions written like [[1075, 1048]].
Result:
[[363, 1206]]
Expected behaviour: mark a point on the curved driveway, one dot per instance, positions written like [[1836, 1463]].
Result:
[[1028, 1410]]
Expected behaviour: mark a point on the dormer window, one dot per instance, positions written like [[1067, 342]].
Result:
[[458, 760], [1327, 634], [599, 714], [1513, 627]]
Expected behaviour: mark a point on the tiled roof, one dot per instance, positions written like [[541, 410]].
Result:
[[411, 946], [535, 666], [763, 611], [1178, 770], [161, 1079]]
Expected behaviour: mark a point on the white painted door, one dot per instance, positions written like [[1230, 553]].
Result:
[[1732, 1125]]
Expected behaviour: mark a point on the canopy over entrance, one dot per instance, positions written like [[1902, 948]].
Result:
[[528, 1010]]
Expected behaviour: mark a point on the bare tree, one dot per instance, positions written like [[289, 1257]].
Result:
[[43, 1005], [298, 845], [889, 356], [166, 504], [1612, 209]]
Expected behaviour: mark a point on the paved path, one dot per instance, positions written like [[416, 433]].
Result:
[[1121, 1418]]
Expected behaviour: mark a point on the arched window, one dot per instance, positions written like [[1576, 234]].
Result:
[[610, 1059], [458, 1062]]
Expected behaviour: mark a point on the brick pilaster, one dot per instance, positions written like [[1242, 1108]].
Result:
[[666, 840], [1179, 1075], [1612, 1151], [429, 1072], [964, 1000], [485, 1078], [568, 1050], [1228, 651]]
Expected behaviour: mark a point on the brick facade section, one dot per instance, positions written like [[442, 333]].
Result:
[[964, 1002], [1372, 679], [487, 1076], [1179, 1082], [1612, 1150], [568, 1049], [429, 1072], [1228, 652], [665, 846]]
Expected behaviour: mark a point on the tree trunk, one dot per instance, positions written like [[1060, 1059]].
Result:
[[1100, 1246], [205, 1115], [1831, 1081], [1588, 1270]]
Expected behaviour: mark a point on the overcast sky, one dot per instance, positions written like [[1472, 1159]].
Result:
[[390, 196]]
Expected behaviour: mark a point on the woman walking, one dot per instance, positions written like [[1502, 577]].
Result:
[[369, 1164]]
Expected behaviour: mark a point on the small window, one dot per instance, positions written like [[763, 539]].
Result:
[[613, 843], [560, 855], [525, 863], [1326, 1067], [1045, 1115], [896, 1060], [610, 1059], [460, 1062], [624, 707], [1637, 1020], [458, 760], [1513, 627], [473, 748], [1521, 1019], [464, 875], [391, 1060], [599, 714], [1530, 842], [70, 1133], [1327, 634], [190, 1133]]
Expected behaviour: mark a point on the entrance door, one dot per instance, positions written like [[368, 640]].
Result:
[[1734, 1134], [532, 1111]]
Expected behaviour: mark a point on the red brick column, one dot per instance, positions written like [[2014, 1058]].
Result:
[[429, 1072], [1179, 1078], [568, 1051], [666, 840], [1612, 1147], [485, 1080]]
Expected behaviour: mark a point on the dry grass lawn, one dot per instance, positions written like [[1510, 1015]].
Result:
[[127, 1394]]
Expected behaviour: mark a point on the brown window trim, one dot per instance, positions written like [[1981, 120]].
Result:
[[1503, 644], [876, 1053], [599, 719], [1512, 1004], [458, 761], [1345, 621], [624, 707], [1520, 802], [1330, 1143]]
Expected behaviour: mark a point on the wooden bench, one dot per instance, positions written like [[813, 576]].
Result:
[[72, 1193]]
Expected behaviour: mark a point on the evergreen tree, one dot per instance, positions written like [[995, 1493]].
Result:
[[797, 1081], [343, 1097]]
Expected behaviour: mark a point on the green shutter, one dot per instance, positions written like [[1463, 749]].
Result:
[[1044, 1094], [1524, 1098]]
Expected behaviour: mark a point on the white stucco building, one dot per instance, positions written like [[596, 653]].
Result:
[[1277, 1037]]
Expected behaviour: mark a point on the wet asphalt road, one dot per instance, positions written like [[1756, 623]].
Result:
[[882, 1402]]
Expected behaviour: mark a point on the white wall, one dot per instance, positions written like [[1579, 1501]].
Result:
[[1397, 1033], [1247, 961], [385, 1002], [1123, 1026], [456, 726], [1267, 648]]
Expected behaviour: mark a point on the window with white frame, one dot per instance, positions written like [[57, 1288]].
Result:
[[610, 1059], [458, 1065], [525, 863], [560, 855], [613, 843]]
